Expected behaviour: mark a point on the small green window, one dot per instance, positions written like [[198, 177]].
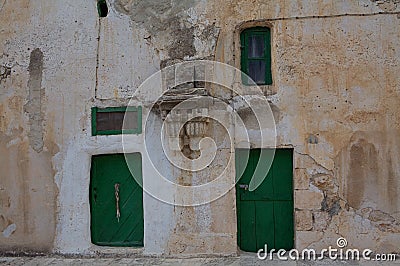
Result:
[[256, 55], [116, 120], [102, 8]]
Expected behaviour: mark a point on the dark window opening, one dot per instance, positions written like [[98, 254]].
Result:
[[256, 56], [116, 120], [102, 8]]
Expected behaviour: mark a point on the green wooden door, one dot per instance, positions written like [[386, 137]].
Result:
[[112, 182], [265, 215]]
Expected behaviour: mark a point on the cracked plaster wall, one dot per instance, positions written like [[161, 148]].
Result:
[[336, 82], [44, 90]]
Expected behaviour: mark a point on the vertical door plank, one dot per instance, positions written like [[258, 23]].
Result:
[[284, 231], [283, 175], [248, 226], [265, 228]]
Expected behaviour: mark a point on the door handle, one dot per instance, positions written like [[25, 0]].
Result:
[[244, 186], [116, 189]]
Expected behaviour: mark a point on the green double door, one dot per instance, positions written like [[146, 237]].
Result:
[[265, 215], [116, 200]]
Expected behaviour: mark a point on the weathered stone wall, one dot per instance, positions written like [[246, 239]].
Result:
[[47, 62], [335, 100]]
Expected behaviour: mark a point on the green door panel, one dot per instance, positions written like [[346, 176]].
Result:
[[265, 191], [283, 215], [265, 215], [241, 158], [265, 227], [106, 228], [248, 225], [282, 169]]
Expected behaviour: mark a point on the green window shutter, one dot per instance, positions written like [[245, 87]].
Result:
[[102, 8], [256, 55]]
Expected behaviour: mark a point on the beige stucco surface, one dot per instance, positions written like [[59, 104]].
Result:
[[335, 81]]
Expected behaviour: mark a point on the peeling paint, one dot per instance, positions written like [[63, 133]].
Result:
[[9, 230], [34, 106], [386, 5], [5, 71]]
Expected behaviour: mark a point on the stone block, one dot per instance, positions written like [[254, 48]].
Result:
[[308, 200], [321, 220], [305, 238], [301, 179], [304, 220]]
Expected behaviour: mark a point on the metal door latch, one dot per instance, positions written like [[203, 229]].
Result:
[[116, 188], [244, 186]]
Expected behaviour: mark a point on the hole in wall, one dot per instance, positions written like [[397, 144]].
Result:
[[102, 8]]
